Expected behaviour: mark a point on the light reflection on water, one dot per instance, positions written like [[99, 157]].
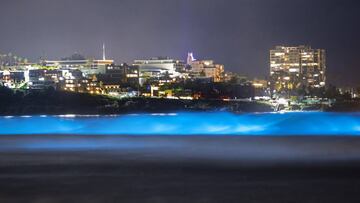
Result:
[[215, 123]]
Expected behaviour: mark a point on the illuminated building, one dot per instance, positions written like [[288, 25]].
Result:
[[159, 66], [12, 79], [118, 79], [124, 74], [261, 84], [296, 68], [88, 66], [74, 81], [190, 58], [206, 69], [42, 78]]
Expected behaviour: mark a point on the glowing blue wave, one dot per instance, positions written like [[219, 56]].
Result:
[[304, 123]]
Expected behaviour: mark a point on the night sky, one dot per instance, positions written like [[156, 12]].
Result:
[[237, 33]]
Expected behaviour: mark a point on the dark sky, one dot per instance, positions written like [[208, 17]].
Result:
[[237, 33]]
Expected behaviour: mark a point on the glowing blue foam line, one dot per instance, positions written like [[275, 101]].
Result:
[[304, 123]]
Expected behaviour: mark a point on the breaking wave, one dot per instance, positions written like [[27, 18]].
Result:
[[213, 123]]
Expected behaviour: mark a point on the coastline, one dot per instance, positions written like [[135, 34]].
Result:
[[130, 105]]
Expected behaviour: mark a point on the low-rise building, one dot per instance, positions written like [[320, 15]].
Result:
[[206, 68], [159, 66], [127, 76], [87, 66], [12, 79]]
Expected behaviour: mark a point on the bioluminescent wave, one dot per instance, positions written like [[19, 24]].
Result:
[[302, 123]]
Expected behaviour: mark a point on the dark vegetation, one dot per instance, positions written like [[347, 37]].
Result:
[[345, 106], [53, 102]]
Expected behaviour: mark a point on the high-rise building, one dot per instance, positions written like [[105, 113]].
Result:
[[297, 68], [190, 58]]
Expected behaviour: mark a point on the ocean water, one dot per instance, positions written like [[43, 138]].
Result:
[[187, 124]]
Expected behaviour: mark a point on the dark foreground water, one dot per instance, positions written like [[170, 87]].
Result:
[[76, 167]]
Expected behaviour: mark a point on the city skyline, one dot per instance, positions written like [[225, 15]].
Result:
[[179, 101], [239, 38]]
